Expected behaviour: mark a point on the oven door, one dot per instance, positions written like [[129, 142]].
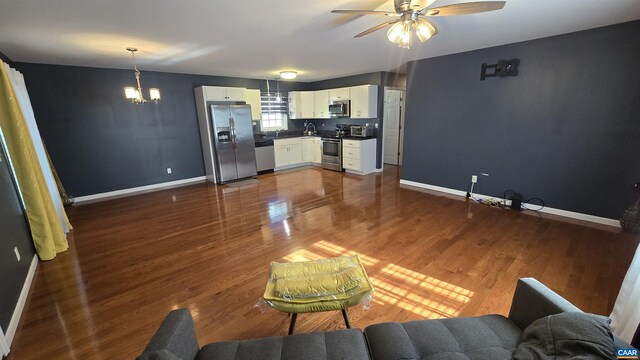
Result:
[[331, 148], [332, 154]]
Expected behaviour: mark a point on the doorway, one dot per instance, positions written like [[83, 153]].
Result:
[[393, 120]]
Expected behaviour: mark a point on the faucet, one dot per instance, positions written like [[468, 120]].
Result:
[[277, 132], [306, 128]]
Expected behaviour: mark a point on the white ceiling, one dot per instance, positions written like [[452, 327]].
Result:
[[257, 38]]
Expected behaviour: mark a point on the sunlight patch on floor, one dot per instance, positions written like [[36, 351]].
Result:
[[395, 285]]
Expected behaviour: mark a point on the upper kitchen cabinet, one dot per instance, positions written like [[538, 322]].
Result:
[[364, 102], [339, 94], [295, 103], [218, 93], [252, 97], [321, 104], [306, 107], [301, 104]]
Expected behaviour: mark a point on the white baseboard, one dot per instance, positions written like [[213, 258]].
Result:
[[548, 210], [17, 312], [137, 190]]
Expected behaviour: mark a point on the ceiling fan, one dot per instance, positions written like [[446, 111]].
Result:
[[412, 13]]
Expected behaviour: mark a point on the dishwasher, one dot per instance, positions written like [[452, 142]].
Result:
[[265, 157]]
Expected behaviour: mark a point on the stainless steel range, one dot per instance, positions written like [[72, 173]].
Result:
[[332, 153], [332, 148]]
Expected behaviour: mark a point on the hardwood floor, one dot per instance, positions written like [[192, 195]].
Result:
[[208, 248]]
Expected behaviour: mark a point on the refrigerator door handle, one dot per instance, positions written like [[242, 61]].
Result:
[[232, 126]]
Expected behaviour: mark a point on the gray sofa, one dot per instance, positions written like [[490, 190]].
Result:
[[491, 337]]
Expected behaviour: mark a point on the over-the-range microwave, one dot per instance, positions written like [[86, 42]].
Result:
[[338, 109]]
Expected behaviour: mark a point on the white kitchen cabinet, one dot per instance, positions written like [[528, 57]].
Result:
[[321, 104], [288, 152], [339, 94], [311, 150], [307, 149], [359, 156], [317, 150], [364, 102], [307, 105], [252, 97], [295, 103], [218, 93]]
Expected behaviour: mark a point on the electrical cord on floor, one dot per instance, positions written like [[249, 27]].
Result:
[[537, 211]]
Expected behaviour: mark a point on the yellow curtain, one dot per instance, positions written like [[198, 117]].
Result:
[[48, 236]]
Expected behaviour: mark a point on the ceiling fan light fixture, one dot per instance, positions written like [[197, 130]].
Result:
[[407, 37], [394, 34], [288, 75], [424, 29]]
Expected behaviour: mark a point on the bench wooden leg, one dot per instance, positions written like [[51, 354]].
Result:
[[346, 318], [292, 325]]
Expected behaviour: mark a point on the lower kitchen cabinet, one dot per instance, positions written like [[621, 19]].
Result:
[[288, 152], [316, 150], [359, 156], [311, 150]]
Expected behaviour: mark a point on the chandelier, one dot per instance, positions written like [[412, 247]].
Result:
[[135, 94]]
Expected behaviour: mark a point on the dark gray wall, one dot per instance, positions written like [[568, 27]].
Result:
[[99, 142], [14, 233], [566, 129]]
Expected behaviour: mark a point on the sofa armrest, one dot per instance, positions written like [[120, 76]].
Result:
[[174, 340], [533, 300]]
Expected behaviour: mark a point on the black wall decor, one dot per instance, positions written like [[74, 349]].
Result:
[[565, 130], [502, 69]]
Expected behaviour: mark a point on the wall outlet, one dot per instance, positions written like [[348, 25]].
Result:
[[15, 250], [474, 178], [169, 171], [375, 125]]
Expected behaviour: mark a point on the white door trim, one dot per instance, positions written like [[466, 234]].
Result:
[[402, 104], [4, 347]]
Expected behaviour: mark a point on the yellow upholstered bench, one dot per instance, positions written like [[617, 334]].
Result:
[[317, 285]]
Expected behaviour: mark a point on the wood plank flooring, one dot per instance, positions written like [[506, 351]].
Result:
[[208, 248]]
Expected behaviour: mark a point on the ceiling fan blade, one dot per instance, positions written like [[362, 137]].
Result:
[[465, 8], [376, 28], [364, 12]]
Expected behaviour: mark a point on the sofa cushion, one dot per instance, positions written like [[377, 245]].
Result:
[[334, 345], [484, 337], [567, 336]]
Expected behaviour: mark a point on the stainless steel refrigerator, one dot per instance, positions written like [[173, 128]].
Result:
[[233, 144]]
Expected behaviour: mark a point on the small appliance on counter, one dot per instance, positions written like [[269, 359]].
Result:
[[361, 131]]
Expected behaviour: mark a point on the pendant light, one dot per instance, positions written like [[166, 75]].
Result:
[[135, 94], [278, 95]]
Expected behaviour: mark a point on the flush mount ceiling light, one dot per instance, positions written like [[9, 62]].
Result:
[[135, 94], [288, 75], [411, 15]]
